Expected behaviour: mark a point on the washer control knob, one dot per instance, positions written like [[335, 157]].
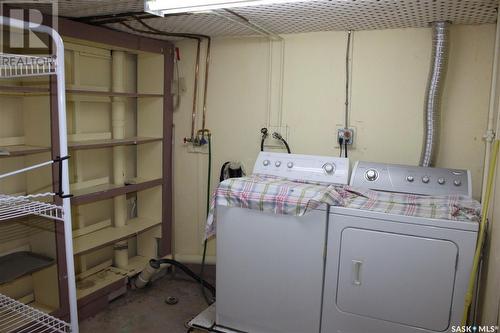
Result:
[[441, 181], [266, 162], [289, 165], [277, 164], [329, 168], [371, 175], [425, 179], [457, 182], [410, 179]]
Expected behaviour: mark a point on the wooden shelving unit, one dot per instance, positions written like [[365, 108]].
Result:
[[120, 130], [118, 164]]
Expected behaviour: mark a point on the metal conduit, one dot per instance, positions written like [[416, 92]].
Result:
[[437, 73]]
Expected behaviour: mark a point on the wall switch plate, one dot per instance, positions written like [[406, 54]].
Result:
[[347, 134]]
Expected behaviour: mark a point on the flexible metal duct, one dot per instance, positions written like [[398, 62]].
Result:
[[432, 115]]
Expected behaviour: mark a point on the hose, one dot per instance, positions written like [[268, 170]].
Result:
[[209, 301], [279, 137], [156, 264], [264, 133], [482, 232], [286, 146]]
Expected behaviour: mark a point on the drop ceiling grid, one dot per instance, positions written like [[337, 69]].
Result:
[[300, 17], [368, 14]]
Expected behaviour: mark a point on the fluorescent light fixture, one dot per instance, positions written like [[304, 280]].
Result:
[[163, 7]]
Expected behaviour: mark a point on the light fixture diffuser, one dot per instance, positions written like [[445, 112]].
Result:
[[163, 7]]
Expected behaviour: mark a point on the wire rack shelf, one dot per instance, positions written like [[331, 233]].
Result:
[[20, 318], [12, 207], [14, 65]]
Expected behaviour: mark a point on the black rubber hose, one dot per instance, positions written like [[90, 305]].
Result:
[[156, 263], [204, 257], [264, 133], [286, 145]]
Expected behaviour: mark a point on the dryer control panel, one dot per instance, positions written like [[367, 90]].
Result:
[[411, 179], [334, 170]]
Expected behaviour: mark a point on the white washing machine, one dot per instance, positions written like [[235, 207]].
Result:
[[270, 267], [388, 273]]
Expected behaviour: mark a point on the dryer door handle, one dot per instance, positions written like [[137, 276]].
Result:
[[356, 272]]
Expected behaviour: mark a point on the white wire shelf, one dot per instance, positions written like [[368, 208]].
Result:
[[20, 318], [15, 65], [12, 207]]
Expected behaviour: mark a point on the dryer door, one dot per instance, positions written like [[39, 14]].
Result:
[[397, 278]]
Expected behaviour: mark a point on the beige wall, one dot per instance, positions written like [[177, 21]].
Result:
[[390, 70]]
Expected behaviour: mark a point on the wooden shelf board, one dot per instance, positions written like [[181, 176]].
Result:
[[110, 93], [112, 235], [107, 191], [94, 144], [22, 150], [19, 264], [99, 281], [23, 89], [42, 307], [136, 265]]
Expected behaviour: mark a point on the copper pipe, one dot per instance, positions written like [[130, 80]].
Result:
[[207, 69], [195, 92], [198, 37]]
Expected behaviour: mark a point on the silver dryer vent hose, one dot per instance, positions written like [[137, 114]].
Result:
[[437, 73]]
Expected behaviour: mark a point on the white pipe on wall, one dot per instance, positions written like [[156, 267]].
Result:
[[493, 108], [118, 130]]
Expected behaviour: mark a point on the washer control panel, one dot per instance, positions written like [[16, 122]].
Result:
[[411, 179], [334, 170]]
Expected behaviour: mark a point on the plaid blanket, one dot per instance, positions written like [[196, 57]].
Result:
[[286, 197]]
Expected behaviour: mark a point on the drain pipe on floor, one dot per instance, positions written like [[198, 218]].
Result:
[[437, 73]]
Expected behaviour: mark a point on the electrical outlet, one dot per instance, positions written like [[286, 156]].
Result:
[[347, 134]]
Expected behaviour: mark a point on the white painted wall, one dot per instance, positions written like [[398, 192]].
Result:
[[390, 69]]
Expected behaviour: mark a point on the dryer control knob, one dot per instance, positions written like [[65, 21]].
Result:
[[289, 165], [266, 162], [425, 179], [410, 179], [277, 164], [329, 168], [457, 182], [441, 181], [371, 175]]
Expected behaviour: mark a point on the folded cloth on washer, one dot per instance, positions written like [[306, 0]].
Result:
[[272, 195], [449, 207], [294, 197]]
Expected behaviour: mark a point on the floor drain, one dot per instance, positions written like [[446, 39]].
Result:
[[171, 300]]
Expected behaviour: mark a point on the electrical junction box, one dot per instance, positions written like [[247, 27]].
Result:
[[347, 134]]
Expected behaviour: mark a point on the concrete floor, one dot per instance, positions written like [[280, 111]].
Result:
[[146, 311]]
